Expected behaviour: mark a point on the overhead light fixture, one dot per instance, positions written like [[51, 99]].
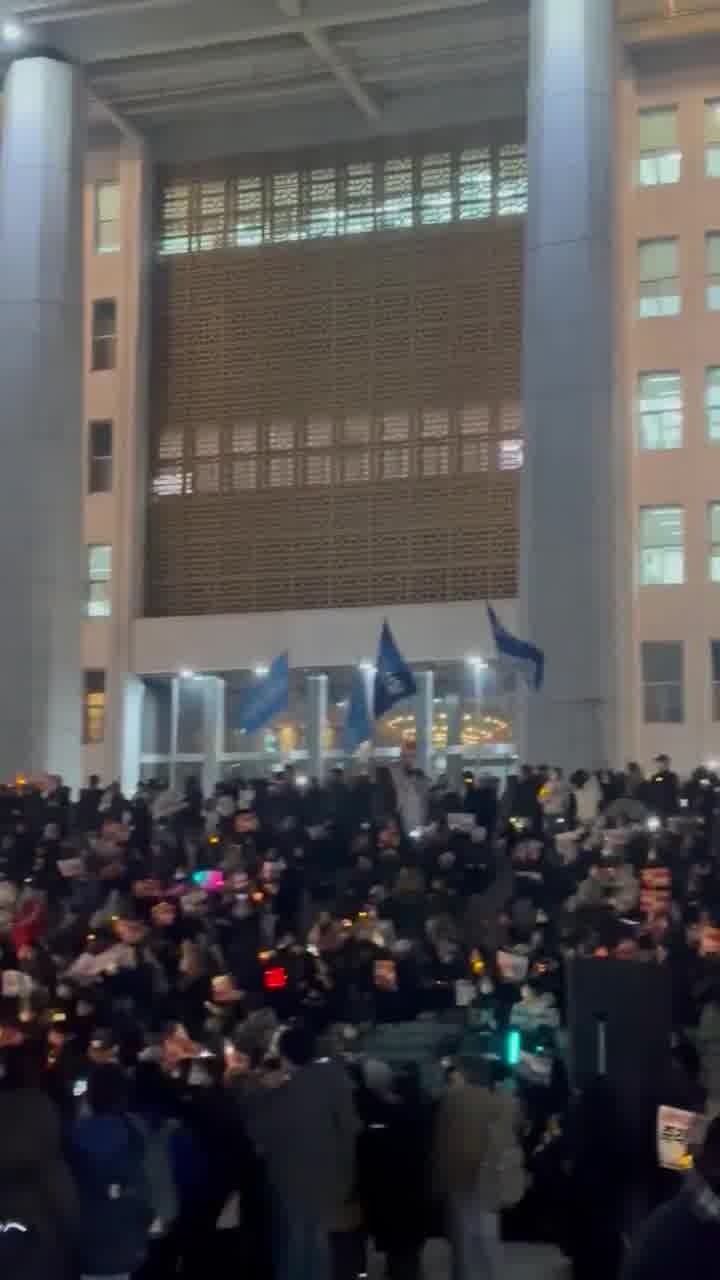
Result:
[[261, 670], [367, 665], [478, 664], [187, 673], [12, 31]]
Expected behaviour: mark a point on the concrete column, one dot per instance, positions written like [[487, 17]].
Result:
[[174, 727], [41, 564], [425, 682], [454, 742], [213, 729], [567, 554], [316, 699]]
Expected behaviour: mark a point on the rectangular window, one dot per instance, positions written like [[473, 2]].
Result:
[[659, 277], [662, 679], [712, 270], [99, 577], [100, 443], [712, 138], [715, 674], [712, 404], [93, 707], [660, 158], [104, 334], [662, 554], [660, 409], [107, 217], [714, 540]]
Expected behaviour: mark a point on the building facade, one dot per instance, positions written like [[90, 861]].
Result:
[[401, 373]]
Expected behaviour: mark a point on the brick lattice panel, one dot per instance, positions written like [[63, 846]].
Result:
[[337, 422]]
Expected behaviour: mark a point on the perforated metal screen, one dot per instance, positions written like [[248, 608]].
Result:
[[336, 421]]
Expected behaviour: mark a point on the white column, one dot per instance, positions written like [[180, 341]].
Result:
[[132, 720], [425, 682], [454, 744], [41, 564], [316, 701], [566, 579], [213, 728]]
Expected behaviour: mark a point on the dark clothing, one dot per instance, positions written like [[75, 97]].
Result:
[[680, 1239], [661, 793], [107, 1156], [36, 1189]]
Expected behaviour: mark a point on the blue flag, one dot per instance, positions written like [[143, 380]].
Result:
[[526, 659], [393, 678], [266, 697], [357, 722]]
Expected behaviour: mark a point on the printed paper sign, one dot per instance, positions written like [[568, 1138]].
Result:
[[512, 967], [676, 1133]]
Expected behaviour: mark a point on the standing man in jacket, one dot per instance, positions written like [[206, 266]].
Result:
[[477, 1169]]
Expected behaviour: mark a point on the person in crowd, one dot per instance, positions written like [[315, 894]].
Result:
[[477, 1169], [662, 791], [39, 1211], [106, 1152], [682, 1237], [598, 1158], [305, 1126]]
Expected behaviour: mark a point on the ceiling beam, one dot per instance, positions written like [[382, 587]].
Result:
[[292, 26], [63, 12], [345, 76]]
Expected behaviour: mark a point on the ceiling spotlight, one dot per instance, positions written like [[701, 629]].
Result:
[[479, 664], [186, 673], [367, 665], [12, 31], [261, 670]]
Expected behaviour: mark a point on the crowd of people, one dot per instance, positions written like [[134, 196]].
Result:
[[286, 1028]]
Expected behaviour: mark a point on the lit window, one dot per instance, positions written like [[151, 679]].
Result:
[[359, 199], [712, 271], [281, 435], [176, 220], [662, 678], [397, 207], [660, 405], [476, 184], [281, 472], [434, 460], [474, 456], [512, 193], [659, 277], [714, 538], [660, 158], [243, 438], [356, 430], [712, 138], [662, 555], [434, 423], [318, 434], [167, 481], [244, 473], [207, 477], [436, 204], [248, 212], [712, 404], [355, 466], [100, 457], [99, 575], [107, 217], [209, 216], [207, 442], [395, 464], [318, 468], [104, 334], [320, 212], [396, 427], [93, 707], [715, 673], [510, 455]]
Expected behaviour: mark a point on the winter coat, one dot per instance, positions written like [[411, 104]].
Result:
[[475, 1149], [36, 1189], [107, 1155]]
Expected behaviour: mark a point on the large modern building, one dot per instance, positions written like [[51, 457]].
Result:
[[316, 312]]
